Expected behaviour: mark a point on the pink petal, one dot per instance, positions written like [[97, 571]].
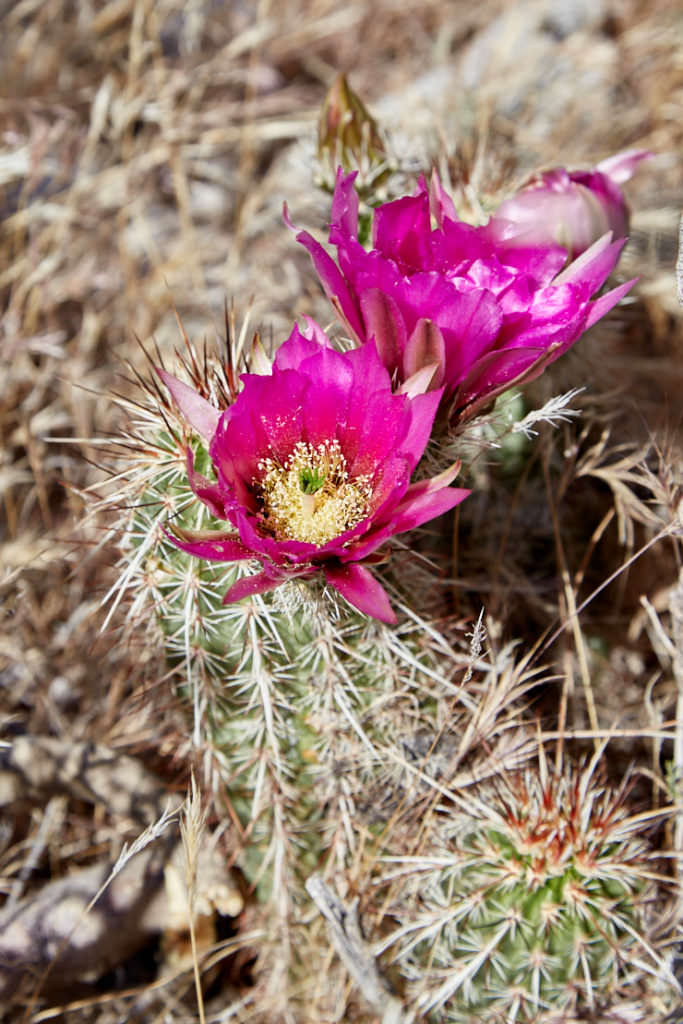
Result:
[[468, 319], [298, 346], [419, 383], [333, 282], [593, 266], [210, 544], [315, 332], [208, 492], [399, 228], [358, 586], [344, 213], [419, 507], [248, 586], [422, 410], [497, 372], [621, 166], [199, 413], [441, 204], [434, 483], [602, 305], [424, 500]]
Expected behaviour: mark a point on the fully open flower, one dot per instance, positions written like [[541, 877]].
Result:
[[572, 208], [437, 293], [313, 464]]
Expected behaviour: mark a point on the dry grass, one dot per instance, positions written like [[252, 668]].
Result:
[[145, 152]]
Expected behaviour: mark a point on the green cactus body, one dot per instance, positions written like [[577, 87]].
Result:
[[292, 691], [314, 721], [534, 906]]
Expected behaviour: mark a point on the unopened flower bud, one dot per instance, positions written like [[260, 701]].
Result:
[[350, 137], [568, 208]]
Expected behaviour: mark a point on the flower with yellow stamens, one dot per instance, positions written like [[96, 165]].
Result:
[[313, 464]]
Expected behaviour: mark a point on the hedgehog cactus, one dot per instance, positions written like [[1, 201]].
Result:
[[282, 679], [321, 720], [534, 908]]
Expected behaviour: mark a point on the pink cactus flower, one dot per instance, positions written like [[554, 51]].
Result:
[[444, 298], [570, 208], [313, 464]]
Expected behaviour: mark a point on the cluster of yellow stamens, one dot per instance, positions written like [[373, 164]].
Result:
[[310, 497]]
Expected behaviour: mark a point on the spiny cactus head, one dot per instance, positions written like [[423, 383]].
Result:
[[538, 903]]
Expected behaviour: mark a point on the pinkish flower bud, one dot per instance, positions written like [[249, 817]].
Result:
[[450, 306], [568, 208], [350, 137]]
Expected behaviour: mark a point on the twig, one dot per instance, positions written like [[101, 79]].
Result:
[[347, 939]]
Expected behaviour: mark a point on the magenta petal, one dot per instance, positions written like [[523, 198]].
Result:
[[344, 214], [372, 433], [199, 413], [211, 544], [277, 416], [621, 166], [211, 494], [419, 507], [523, 252], [400, 229], [333, 282], [500, 367], [358, 586], [422, 410], [469, 319], [369, 370], [248, 586], [594, 275], [486, 290], [596, 262], [497, 372], [299, 346], [422, 501], [434, 483], [607, 301], [441, 204], [420, 382], [315, 333]]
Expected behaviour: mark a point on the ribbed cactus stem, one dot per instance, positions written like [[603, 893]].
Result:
[[282, 686], [536, 904], [308, 713]]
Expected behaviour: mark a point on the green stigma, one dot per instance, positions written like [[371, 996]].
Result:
[[310, 497], [311, 479]]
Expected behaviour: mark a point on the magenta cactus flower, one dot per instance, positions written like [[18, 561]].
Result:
[[570, 208], [446, 299], [313, 464]]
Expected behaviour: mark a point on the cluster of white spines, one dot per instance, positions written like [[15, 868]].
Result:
[[536, 902]]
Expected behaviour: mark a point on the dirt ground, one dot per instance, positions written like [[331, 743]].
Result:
[[146, 149]]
